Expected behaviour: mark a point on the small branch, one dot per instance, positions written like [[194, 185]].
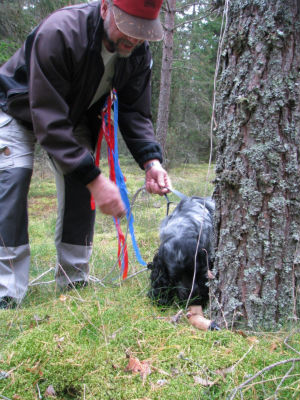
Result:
[[283, 379], [40, 276], [167, 8], [238, 388], [241, 359], [220, 307], [38, 390], [41, 283], [136, 273], [196, 3], [191, 20], [275, 378], [70, 282], [290, 347], [3, 397], [181, 356], [96, 280]]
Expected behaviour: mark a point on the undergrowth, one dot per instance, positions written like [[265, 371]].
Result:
[[79, 343]]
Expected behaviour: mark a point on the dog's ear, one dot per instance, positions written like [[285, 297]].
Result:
[[152, 265], [160, 292]]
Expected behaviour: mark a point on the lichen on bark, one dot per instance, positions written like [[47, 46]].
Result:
[[257, 186]]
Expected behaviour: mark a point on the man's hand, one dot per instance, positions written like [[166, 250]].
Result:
[[157, 179], [107, 196]]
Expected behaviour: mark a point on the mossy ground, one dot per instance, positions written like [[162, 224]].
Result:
[[78, 341]]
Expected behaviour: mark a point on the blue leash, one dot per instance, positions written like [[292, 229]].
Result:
[[122, 186]]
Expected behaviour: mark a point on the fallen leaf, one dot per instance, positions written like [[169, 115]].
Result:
[[62, 297], [203, 381], [36, 369], [137, 366], [239, 332], [134, 365], [59, 341], [273, 346], [252, 339], [225, 371], [50, 392]]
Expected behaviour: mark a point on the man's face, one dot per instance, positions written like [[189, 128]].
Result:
[[115, 40]]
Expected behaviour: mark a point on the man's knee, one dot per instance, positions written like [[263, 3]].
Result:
[[14, 186]]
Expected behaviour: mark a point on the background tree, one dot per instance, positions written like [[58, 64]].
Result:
[[183, 99], [166, 74], [257, 170]]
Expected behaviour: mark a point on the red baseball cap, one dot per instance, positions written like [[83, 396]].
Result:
[[139, 18]]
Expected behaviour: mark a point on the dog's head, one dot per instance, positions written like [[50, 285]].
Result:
[[179, 269]]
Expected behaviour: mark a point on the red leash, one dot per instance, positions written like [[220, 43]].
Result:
[[107, 131]]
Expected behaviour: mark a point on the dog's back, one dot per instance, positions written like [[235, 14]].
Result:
[[179, 269]]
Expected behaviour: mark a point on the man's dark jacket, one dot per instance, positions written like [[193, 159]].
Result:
[[51, 81]]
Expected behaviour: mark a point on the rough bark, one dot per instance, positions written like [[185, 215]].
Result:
[[166, 74], [257, 188]]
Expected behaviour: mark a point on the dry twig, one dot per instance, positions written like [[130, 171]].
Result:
[[242, 385], [289, 346]]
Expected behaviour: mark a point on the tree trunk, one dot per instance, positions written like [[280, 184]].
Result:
[[257, 188], [166, 72]]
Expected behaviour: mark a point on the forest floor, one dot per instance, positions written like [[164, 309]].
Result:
[[109, 341]]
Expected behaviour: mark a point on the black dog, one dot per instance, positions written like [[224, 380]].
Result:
[[179, 270]]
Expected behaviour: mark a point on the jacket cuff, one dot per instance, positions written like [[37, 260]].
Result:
[[86, 171], [149, 152]]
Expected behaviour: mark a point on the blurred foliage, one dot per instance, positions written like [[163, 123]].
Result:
[[19, 17], [195, 47]]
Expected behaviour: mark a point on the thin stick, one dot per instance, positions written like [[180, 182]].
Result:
[[241, 359], [226, 324], [284, 378], [195, 363], [70, 282], [136, 273], [39, 392], [96, 280], [195, 262], [260, 373], [39, 277], [42, 283], [3, 397], [290, 347], [268, 380], [219, 52]]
